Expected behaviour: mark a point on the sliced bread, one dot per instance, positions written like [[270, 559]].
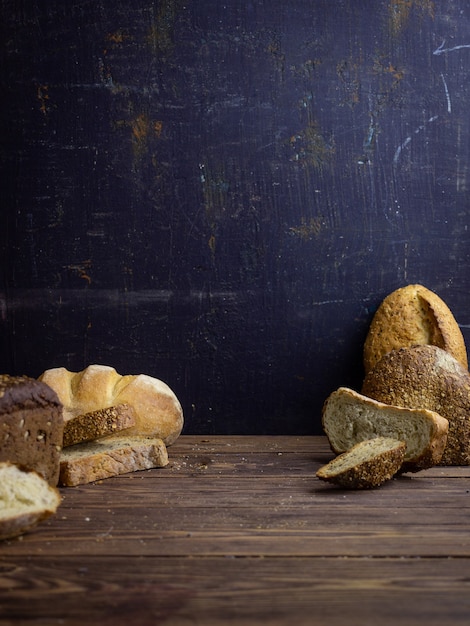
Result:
[[368, 464], [86, 462], [349, 417], [427, 377], [26, 498], [97, 424]]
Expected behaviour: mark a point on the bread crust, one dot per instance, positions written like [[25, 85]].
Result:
[[158, 411], [430, 378], [97, 424], [349, 417], [367, 465], [26, 499], [413, 315]]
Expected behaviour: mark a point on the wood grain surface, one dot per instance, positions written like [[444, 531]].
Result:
[[237, 530]]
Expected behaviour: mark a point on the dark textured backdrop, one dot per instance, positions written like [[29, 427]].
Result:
[[220, 194]]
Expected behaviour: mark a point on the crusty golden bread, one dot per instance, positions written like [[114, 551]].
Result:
[[158, 411], [349, 417], [98, 424], [413, 315], [111, 456], [26, 498], [368, 464], [427, 377]]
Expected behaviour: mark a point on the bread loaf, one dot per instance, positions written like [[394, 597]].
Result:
[[31, 425], [26, 498], [157, 410], [413, 315], [86, 462], [368, 464], [97, 424], [427, 377], [349, 417]]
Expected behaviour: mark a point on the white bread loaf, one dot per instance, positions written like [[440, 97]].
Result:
[[413, 315], [427, 377], [368, 464], [26, 498], [158, 411], [349, 417], [111, 456]]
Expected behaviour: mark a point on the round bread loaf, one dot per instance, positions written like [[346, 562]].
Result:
[[413, 315], [158, 412], [427, 377]]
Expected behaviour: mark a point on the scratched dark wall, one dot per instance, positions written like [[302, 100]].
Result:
[[220, 194]]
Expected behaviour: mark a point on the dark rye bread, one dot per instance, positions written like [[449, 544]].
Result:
[[413, 315], [368, 464], [31, 425], [97, 424], [427, 377]]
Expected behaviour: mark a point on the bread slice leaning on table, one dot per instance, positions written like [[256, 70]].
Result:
[[349, 417], [366, 465]]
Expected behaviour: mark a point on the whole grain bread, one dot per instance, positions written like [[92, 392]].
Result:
[[111, 456], [98, 424], [158, 411], [413, 315], [427, 377], [368, 464], [349, 417], [26, 499], [31, 425]]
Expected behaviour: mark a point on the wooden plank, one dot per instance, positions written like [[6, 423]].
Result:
[[210, 591]]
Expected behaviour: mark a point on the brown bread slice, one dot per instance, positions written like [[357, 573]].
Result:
[[368, 464], [97, 424], [427, 377], [86, 462], [349, 417]]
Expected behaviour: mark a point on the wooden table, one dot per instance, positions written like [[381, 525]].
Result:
[[238, 530]]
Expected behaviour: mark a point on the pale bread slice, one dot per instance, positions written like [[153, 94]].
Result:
[[98, 424], [26, 499], [96, 460], [349, 417], [368, 464]]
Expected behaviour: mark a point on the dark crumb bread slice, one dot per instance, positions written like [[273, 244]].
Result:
[[110, 456], [25, 500], [31, 425], [97, 424], [368, 464], [350, 417]]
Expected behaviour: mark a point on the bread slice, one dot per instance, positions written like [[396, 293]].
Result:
[[413, 315], [427, 377], [97, 424], [86, 462], [26, 498], [349, 417], [368, 464]]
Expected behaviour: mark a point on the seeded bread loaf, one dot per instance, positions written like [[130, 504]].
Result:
[[368, 464], [413, 315], [31, 425], [427, 377], [157, 410], [349, 417], [97, 424], [96, 460], [25, 500]]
